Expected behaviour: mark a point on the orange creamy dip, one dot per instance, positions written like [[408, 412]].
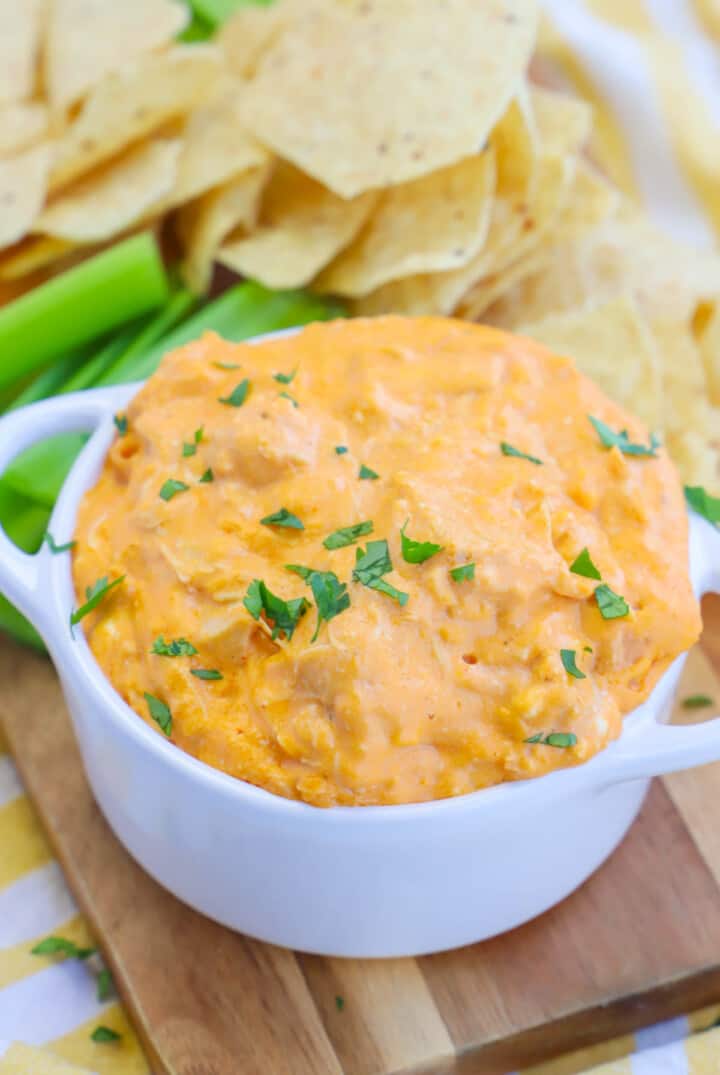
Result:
[[390, 704]]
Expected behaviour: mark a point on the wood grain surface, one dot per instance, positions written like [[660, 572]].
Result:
[[637, 943]]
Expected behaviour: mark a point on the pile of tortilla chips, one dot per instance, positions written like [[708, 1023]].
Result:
[[416, 169], [395, 154]]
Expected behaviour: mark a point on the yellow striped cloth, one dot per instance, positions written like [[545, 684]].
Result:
[[651, 68]]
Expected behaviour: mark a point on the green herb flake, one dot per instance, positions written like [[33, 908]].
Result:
[[179, 647], [416, 552], [331, 597], [567, 656], [238, 395], [583, 565], [341, 449], [159, 712], [348, 535], [95, 594], [190, 448], [54, 548], [206, 673], [61, 946], [105, 985], [226, 365], [370, 566], [562, 740], [366, 474], [285, 378], [121, 423], [697, 701], [700, 501], [283, 616], [464, 573], [610, 439], [339, 1002], [104, 1034], [298, 569], [612, 606], [208, 476], [508, 449], [286, 395], [283, 517], [171, 488]]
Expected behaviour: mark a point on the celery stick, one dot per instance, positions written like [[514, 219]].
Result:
[[25, 524], [40, 471], [80, 305], [51, 379], [88, 375]]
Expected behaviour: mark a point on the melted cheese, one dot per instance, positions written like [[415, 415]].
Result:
[[391, 704]]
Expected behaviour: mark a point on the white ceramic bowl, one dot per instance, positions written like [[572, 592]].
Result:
[[348, 881]]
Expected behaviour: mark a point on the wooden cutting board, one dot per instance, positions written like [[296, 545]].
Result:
[[637, 943]]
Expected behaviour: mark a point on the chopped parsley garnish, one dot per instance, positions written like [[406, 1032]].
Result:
[[286, 395], [298, 569], [179, 647], [208, 476], [105, 984], [61, 946], [610, 439], [226, 365], [171, 488], [583, 565], [285, 378], [341, 449], [567, 656], [555, 739], [331, 597], [508, 449], [55, 549], [238, 395], [366, 474], [95, 594], [416, 552], [282, 615], [612, 606], [339, 1002], [189, 448], [283, 517], [697, 701], [700, 501], [206, 673], [347, 535], [464, 573], [121, 423], [370, 566], [159, 712], [104, 1034]]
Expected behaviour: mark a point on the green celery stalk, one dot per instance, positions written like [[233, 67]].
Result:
[[25, 524], [245, 310], [87, 375], [80, 305], [50, 380]]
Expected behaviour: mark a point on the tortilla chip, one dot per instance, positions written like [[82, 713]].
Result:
[[23, 184], [385, 92], [133, 102], [430, 224], [21, 126], [20, 28], [614, 346], [34, 253], [516, 143], [710, 353], [89, 39], [302, 227], [692, 424], [205, 223], [251, 31], [562, 120], [216, 147], [115, 197]]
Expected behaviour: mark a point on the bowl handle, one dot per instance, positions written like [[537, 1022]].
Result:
[[662, 748], [76, 412]]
